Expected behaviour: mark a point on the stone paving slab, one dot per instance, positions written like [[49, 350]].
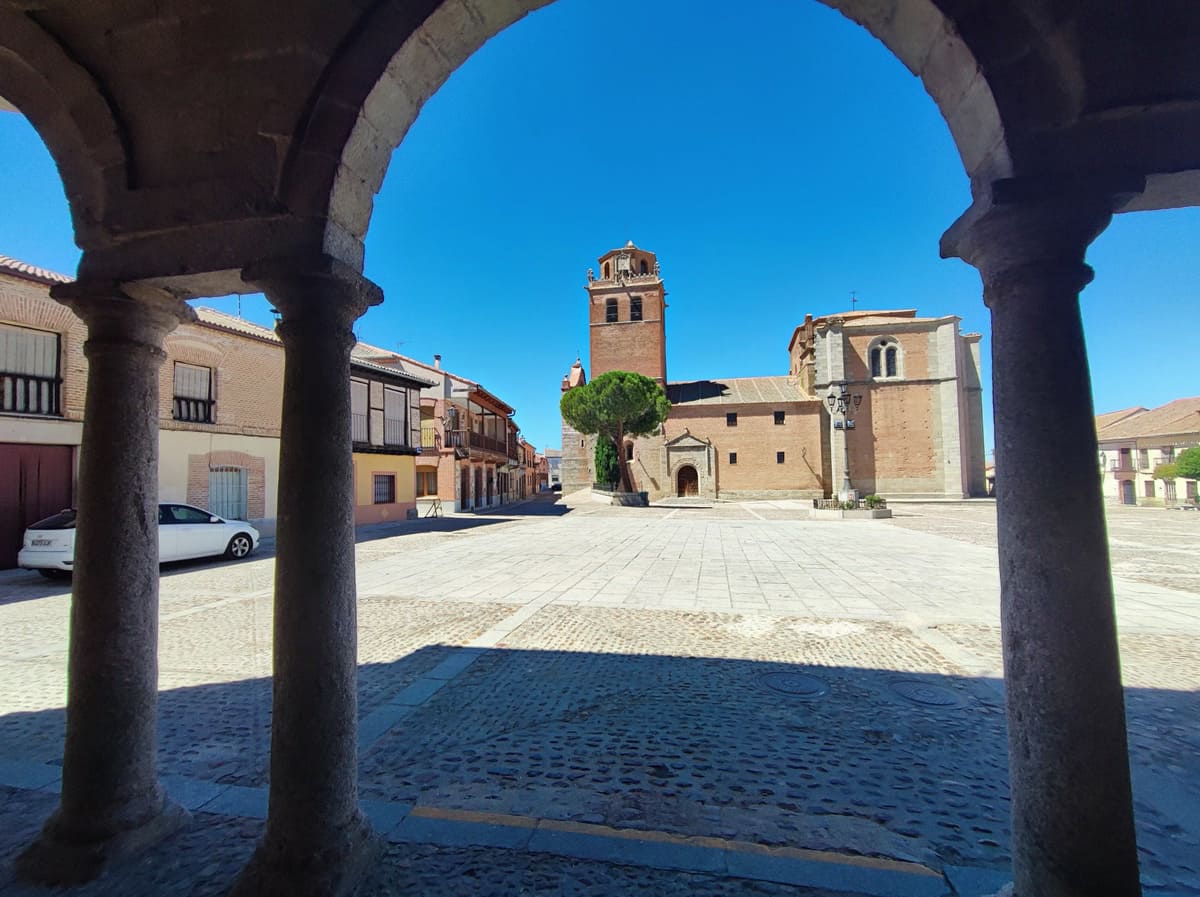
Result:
[[1148, 545], [614, 667]]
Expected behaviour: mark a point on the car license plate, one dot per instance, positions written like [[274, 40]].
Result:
[[42, 542]]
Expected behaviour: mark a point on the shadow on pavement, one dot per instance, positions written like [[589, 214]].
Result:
[[861, 760]]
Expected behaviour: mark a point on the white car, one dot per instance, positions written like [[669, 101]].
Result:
[[183, 532]]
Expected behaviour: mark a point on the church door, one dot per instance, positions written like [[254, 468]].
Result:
[[687, 481]]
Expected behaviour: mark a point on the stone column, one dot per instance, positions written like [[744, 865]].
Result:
[[112, 804], [317, 842], [1073, 831]]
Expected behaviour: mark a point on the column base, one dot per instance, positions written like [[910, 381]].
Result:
[[58, 858], [280, 869]]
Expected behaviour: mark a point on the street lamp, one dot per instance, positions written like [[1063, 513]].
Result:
[[843, 401]]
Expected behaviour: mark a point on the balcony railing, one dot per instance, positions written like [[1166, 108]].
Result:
[[394, 432], [27, 394], [431, 443], [1122, 465], [479, 440], [196, 411], [472, 440], [359, 432]]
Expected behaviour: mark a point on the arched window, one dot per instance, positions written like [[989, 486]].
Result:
[[635, 308], [610, 311], [607, 271], [886, 358], [645, 267]]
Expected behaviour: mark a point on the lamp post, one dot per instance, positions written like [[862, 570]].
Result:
[[841, 401]]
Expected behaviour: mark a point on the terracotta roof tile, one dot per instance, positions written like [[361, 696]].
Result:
[[1178, 418], [18, 268], [223, 321], [391, 369], [1108, 418]]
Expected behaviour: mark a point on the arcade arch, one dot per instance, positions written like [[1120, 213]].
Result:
[[275, 193]]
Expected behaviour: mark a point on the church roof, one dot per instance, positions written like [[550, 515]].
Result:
[[875, 318], [1177, 418], [736, 391], [869, 317], [859, 316]]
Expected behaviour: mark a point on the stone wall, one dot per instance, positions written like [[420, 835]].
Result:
[[576, 466]]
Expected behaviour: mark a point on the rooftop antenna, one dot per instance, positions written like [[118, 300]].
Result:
[[853, 299]]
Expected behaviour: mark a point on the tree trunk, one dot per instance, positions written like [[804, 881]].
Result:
[[626, 480]]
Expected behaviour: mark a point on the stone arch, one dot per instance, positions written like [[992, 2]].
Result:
[[70, 113], [371, 118]]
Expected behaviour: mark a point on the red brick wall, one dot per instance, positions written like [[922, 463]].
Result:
[[28, 304], [756, 439], [893, 439], [256, 479], [638, 346], [248, 380], [914, 362], [895, 446], [248, 373]]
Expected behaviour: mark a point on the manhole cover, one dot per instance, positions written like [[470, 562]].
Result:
[[924, 693], [797, 684]]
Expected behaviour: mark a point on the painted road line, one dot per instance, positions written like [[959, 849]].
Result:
[[401, 822], [666, 850]]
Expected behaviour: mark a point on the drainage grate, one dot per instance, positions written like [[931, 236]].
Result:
[[796, 684], [923, 693]]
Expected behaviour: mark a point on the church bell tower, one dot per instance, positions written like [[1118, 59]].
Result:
[[627, 314]]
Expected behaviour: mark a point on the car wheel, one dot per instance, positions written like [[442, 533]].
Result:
[[239, 546]]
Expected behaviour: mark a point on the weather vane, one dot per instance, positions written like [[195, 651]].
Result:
[[853, 299]]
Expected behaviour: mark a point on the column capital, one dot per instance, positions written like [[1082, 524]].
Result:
[[1036, 227], [124, 313], [314, 287]]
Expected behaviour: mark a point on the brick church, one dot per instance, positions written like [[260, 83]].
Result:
[[881, 402]]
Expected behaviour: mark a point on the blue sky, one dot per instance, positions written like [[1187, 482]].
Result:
[[774, 155]]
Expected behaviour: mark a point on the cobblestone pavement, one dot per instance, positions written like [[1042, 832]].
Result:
[[723, 676], [204, 860]]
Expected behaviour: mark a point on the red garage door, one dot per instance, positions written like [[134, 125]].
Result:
[[35, 481]]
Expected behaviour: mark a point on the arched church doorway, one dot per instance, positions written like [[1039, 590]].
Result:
[[687, 482]]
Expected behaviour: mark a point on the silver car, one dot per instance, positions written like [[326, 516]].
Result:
[[183, 532]]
